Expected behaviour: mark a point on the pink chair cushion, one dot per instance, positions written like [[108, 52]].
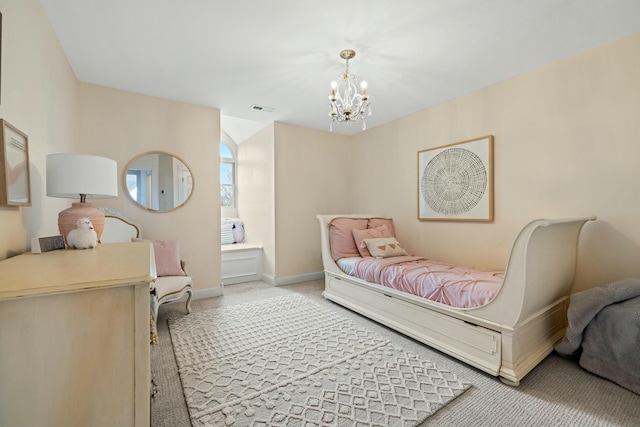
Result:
[[167, 254]]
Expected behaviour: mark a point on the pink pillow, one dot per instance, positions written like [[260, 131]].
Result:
[[341, 237], [377, 222], [369, 233], [167, 254]]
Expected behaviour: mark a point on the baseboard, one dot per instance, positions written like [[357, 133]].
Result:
[[290, 280], [207, 293], [270, 279]]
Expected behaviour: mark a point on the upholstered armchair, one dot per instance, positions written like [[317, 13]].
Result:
[[173, 280]]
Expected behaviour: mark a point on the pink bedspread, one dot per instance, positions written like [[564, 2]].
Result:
[[456, 286]]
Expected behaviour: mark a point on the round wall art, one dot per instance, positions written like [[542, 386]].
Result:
[[455, 181]]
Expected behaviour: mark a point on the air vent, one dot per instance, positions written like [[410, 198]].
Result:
[[264, 108]]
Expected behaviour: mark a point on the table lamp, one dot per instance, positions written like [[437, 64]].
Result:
[[81, 176]]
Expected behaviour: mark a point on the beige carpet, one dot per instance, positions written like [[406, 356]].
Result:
[[558, 392], [288, 361]]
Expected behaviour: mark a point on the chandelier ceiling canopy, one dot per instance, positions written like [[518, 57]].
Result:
[[346, 104]]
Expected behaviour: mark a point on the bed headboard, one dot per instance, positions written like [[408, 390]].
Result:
[[117, 227], [328, 262]]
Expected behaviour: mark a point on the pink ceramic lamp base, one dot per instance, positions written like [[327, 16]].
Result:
[[68, 218]]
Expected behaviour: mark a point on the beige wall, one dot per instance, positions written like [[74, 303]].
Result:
[[121, 125], [567, 143], [42, 97], [256, 193], [313, 176], [39, 97], [287, 176]]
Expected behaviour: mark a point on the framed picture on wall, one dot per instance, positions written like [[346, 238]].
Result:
[[15, 185], [455, 181]]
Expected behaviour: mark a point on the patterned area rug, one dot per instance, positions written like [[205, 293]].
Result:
[[288, 361]]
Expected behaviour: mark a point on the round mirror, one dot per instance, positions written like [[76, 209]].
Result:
[[158, 181]]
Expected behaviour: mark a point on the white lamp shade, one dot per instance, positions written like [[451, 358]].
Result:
[[70, 175]]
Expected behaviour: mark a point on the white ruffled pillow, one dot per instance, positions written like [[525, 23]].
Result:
[[226, 234]]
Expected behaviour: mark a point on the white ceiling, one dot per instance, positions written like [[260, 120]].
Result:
[[230, 54]]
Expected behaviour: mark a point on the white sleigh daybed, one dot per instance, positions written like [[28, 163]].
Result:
[[506, 337]]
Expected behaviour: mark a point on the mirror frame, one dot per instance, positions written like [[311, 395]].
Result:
[[146, 153]]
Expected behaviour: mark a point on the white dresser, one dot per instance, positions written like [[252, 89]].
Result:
[[74, 337]]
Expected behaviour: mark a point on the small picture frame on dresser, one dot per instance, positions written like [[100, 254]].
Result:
[[15, 184]]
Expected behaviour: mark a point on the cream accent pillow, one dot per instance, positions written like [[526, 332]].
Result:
[[384, 247]]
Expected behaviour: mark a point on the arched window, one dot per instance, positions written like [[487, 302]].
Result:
[[227, 174]]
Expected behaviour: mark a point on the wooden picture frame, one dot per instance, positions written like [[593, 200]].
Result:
[[455, 181], [15, 182]]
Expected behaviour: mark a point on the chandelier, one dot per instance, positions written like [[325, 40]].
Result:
[[347, 105]]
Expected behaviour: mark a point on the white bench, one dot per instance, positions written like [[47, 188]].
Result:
[[241, 262]]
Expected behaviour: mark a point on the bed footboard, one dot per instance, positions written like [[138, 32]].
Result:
[[539, 273]]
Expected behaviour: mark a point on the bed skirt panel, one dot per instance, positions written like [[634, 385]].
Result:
[[473, 344]]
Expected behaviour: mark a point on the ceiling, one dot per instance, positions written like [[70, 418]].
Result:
[[230, 54]]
